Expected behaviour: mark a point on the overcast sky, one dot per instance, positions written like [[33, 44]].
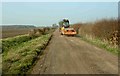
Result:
[[47, 13]]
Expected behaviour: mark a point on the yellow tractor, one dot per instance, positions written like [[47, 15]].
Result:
[[65, 28]]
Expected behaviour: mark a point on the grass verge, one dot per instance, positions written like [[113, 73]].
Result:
[[14, 41], [99, 43], [19, 59]]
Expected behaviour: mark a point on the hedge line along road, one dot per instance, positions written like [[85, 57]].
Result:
[[71, 55]]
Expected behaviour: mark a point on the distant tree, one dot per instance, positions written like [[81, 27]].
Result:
[[54, 25]]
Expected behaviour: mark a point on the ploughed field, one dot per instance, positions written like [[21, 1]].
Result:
[[13, 32]]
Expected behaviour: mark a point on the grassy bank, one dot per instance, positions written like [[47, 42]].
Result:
[[21, 52], [99, 43], [13, 42]]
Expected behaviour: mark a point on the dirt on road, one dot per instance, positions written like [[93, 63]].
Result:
[[71, 55]]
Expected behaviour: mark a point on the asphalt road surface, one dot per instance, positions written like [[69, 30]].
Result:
[[71, 55]]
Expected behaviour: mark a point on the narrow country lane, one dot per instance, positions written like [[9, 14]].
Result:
[[71, 55]]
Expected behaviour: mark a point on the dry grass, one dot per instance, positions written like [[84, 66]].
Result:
[[76, 27], [40, 31], [105, 30]]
